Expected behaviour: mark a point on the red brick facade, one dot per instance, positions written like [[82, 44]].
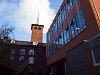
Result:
[[37, 33], [92, 29], [23, 67], [23, 57]]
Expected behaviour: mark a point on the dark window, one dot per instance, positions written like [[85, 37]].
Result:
[[40, 57], [70, 4], [61, 42], [77, 22], [96, 55], [22, 54], [56, 44], [49, 51], [12, 54], [73, 28], [39, 28], [48, 37], [35, 27]]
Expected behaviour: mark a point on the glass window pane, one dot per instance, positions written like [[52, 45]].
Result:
[[77, 22], [83, 25], [22, 51], [96, 52], [31, 60]]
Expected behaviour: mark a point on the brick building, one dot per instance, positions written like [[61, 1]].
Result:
[[37, 32], [69, 48], [24, 57]]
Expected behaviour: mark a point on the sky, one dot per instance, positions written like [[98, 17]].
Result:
[[22, 13]]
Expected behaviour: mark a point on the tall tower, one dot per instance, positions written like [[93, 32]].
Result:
[[37, 32]]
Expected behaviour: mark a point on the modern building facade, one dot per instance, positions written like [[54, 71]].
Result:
[[76, 22], [24, 57]]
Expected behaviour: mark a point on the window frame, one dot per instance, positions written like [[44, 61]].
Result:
[[22, 56], [94, 60], [65, 33], [31, 56], [12, 54], [70, 4], [82, 19]]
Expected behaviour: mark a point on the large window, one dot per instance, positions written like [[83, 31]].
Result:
[[59, 20], [48, 37], [83, 25], [70, 4], [73, 29], [12, 54], [31, 56], [80, 20], [78, 23], [96, 55], [66, 36], [40, 57], [56, 44], [55, 26], [22, 55], [63, 13], [61, 42]]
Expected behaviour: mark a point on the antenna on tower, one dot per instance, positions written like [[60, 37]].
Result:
[[38, 18]]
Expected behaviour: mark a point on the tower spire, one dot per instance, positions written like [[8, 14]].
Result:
[[38, 18]]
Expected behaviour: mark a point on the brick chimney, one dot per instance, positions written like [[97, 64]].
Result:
[[37, 33]]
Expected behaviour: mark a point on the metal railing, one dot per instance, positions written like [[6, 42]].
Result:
[[25, 64]]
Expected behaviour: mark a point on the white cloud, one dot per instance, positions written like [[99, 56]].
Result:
[[25, 13]]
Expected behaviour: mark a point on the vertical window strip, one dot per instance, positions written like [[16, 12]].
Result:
[[83, 25], [22, 54], [70, 4]]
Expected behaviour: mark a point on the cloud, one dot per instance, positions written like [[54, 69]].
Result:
[[23, 13]]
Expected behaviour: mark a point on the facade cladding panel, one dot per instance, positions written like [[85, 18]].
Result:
[[91, 47], [81, 60], [77, 61]]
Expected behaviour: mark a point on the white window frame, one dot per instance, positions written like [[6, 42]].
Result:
[[94, 61], [30, 58], [22, 55]]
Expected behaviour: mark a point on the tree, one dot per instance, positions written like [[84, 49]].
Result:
[[6, 35], [6, 32]]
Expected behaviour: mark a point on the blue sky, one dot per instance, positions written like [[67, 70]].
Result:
[[22, 13], [55, 4]]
